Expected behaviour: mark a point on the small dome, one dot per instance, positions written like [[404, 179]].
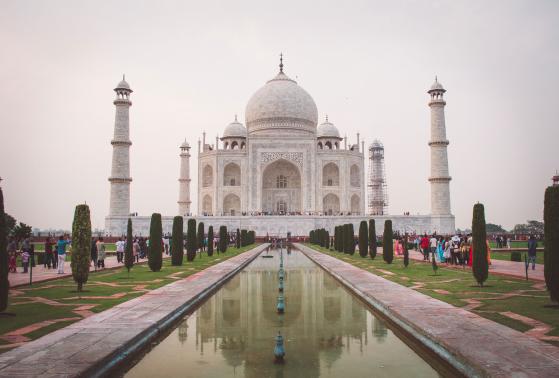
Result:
[[123, 85], [185, 144], [235, 130], [327, 130], [436, 86], [376, 145]]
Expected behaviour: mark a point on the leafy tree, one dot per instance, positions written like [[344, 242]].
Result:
[[177, 241], [238, 239], [223, 239], [211, 240], [531, 227], [4, 283], [363, 239], [372, 239], [155, 251], [491, 228], [551, 247], [21, 231], [81, 245], [200, 236], [128, 253], [387, 245], [10, 223], [480, 266], [191, 241]]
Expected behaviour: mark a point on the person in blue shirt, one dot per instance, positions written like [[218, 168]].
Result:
[[61, 251]]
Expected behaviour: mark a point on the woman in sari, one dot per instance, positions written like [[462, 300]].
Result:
[[440, 250]]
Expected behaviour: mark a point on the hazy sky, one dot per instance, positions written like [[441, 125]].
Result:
[[193, 65]]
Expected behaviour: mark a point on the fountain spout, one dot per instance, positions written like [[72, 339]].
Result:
[[279, 351]]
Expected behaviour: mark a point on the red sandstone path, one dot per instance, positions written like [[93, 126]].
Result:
[[507, 268], [41, 274]]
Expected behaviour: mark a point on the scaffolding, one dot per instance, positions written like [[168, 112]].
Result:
[[376, 187]]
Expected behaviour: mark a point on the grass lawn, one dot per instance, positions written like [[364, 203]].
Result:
[[58, 300], [506, 256], [516, 244], [499, 295]]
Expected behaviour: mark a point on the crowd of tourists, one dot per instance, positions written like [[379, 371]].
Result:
[[454, 250]]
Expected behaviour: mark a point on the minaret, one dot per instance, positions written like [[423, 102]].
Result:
[[184, 180], [120, 173], [440, 191]]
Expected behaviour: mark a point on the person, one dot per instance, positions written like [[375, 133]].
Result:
[[12, 267], [61, 252], [100, 253], [433, 246], [532, 244], [166, 245], [94, 252], [119, 250], [48, 258], [143, 248], [25, 260], [440, 250], [425, 247], [397, 247], [136, 250]]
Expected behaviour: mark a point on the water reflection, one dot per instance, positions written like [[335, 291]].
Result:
[[324, 328]]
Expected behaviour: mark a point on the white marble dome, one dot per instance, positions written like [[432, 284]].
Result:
[[123, 85], [327, 130], [281, 103], [235, 130], [436, 86]]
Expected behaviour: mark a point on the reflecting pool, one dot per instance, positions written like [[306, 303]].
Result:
[[327, 331]]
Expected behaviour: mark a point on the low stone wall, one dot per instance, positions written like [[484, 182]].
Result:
[[297, 225], [97, 345], [474, 346]]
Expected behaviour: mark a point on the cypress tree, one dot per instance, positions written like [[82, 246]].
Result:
[[326, 239], [244, 237], [200, 236], [363, 239], [81, 245], [211, 240], [406, 252], [342, 238], [372, 239], [223, 239], [191, 241], [480, 266], [4, 283], [155, 251], [434, 264], [387, 245], [551, 239], [351, 239], [177, 241], [238, 239], [128, 253], [311, 237], [252, 237]]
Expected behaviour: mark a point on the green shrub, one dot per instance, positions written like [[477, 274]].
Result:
[[4, 283], [177, 241], [191, 240], [372, 239], [363, 239], [81, 245], [238, 239], [480, 266], [406, 253], [223, 239], [516, 256], [326, 239], [551, 240], [128, 252], [200, 236], [155, 251], [211, 240], [388, 246]]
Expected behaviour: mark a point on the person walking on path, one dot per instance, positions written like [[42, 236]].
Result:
[[100, 253], [25, 260], [136, 250], [433, 246], [120, 250], [94, 252], [532, 244], [61, 252], [425, 247], [48, 259]]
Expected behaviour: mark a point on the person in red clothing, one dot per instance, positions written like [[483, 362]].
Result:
[[425, 247]]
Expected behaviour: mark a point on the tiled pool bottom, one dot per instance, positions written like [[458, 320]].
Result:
[[327, 331]]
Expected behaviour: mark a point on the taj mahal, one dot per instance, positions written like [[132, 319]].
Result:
[[280, 173]]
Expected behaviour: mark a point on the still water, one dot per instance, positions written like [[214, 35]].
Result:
[[327, 331]]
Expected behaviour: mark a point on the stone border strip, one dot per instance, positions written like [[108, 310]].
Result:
[[475, 346], [99, 344]]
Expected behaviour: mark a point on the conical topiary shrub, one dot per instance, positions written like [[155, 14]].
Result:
[[223, 239], [551, 238], [363, 239], [4, 283], [81, 245], [372, 239], [480, 266], [177, 241], [238, 239], [155, 251], [128, 252], [200, 236], [387, 245], [211, 241], [191, 241]]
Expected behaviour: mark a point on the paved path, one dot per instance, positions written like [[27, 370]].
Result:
[[96, 345], [508, 268], [41, 274], [473, 345]]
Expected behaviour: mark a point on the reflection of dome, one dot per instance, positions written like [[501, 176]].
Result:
[[282, 104], [235, 130], [327, 130], [436, 86]]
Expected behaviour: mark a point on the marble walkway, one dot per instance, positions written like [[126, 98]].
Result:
[[96, 345], [475, 346]]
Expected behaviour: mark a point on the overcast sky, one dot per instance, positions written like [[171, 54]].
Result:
[[194, 65]]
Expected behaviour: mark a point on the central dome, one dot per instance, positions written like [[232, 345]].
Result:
[[281, 104]]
